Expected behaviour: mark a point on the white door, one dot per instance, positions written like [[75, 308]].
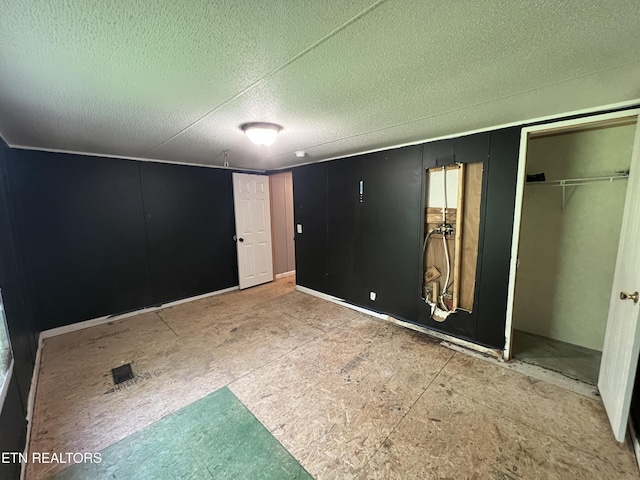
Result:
[[622, 338], [253, 229]]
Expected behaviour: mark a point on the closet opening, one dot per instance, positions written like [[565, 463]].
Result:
[[571, 218], [450, 243]]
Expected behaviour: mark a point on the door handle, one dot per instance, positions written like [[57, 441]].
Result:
[[241, 239], [629, 296]]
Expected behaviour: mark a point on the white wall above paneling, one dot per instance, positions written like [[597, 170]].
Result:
[[174, 80]]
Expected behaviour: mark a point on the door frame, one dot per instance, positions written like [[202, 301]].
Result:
[[611, 119]]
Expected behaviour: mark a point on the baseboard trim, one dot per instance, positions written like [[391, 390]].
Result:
[[31, 402], [402, 323], [34, 381], [53, 332], [340, 301], [285, 274]]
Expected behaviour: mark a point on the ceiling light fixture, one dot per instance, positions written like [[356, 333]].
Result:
[[300, 153], [261, 133]]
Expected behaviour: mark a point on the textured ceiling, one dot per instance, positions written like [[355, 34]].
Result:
[[173, 81]]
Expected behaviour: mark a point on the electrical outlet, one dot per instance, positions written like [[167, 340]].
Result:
[[372, 296], [299, 228]]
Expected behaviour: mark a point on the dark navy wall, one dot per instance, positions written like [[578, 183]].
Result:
[[372, 237], [355, 244], [190, 226], [81, 227], [102, 236], [344, 218], [310, 211], [22, 329], [390, 234], [499, 195]]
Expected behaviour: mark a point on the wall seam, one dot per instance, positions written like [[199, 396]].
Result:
[[150, 290]]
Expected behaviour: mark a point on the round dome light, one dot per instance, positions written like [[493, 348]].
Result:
[[261, 133]]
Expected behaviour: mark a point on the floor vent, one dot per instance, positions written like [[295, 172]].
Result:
[[122, 374]]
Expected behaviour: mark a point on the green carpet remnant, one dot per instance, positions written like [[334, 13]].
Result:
[[215, 437]]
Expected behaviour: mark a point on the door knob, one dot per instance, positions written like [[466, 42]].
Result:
[[241, 240], [629, 296]]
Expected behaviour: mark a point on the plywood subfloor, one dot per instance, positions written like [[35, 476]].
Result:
[[348, 395], [574, 361]]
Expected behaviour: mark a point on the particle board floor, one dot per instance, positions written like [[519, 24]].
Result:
[[348, 395], [574, 361]]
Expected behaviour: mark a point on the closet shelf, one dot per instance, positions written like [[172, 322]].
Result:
[[576, 182]]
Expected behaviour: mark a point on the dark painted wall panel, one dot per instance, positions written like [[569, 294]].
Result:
[[310, 210], [20, 320], [498, 231], [21, 324], [344, 247], [348, 247], [391, 244], [439, 154], [81, 227], [391, 230], [90, 247], [190, 227]]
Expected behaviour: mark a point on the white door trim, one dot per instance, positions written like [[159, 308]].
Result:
[[517, 217]]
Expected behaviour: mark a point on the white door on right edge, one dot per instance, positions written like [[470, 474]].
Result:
[[622, 337]]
